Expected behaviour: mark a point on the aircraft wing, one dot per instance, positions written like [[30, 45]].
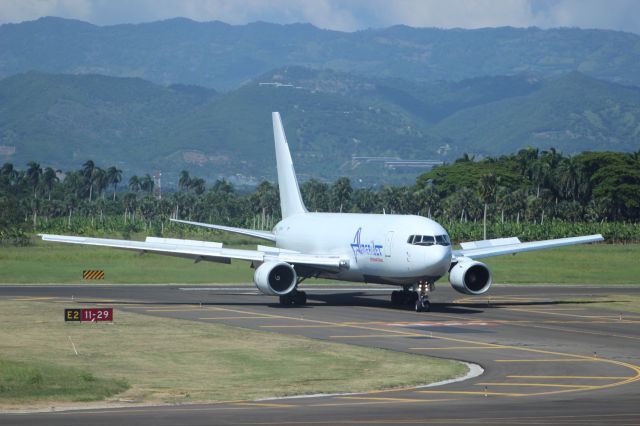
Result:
[[497, 247], [204, 250], [265, 235]]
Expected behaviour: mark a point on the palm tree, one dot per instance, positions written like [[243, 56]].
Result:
[[198, 185], [134, 183], [316, 195], [184, 182], [114, 177], [341, 193], [49, 178], [34, 173], [9, 172], [572, 177], [87, 171], [487, 190], [100, 180], [146, 183]]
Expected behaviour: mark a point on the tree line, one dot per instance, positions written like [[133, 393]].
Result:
[[532, 193]]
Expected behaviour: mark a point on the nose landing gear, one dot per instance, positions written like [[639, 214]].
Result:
[[417, 296]]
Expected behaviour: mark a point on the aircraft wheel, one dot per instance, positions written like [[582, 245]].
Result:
[[286, 300], [419, 306], [411, 297], [395, 298], [300, 298]]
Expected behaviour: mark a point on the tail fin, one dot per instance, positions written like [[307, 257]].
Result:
[[290, 198]]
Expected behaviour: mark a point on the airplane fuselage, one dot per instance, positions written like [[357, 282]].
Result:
[[379, 247]]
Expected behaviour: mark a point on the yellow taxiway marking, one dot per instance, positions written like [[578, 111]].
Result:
[[537, 385], [551, 360], [570, 377], [389, 332], [233, 318], [265, 404], [338, 324], [176, 309], [367, 336], [26, 299], [380, 398], [376, 402], [453, 348], [472, 393]]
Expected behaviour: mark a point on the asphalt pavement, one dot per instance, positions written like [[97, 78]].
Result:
[[549, 356]]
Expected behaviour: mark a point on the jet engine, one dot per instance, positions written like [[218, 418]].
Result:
[[275, 278], [470, 277]]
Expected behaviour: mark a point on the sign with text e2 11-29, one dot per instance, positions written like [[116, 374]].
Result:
[[91, 314]]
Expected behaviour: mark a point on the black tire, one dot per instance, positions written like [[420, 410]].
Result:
[[300, 298], [395, 298], [411, 297], [285, 300], [419, 306], [427, 306]]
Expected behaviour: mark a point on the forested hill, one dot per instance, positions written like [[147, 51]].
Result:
[[222, 56], [64, 120]]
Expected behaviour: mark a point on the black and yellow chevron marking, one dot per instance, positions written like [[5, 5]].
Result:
[[93, 275]]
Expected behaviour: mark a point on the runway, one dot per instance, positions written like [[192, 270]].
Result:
[[547, 358]]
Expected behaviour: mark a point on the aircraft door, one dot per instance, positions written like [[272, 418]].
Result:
[[388, 244]]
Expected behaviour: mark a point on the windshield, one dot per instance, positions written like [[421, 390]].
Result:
[[429, 240]]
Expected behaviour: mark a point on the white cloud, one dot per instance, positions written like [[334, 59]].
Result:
[[344, 15]]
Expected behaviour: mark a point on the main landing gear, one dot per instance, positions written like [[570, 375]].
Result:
[[418, 296], [296, 298]]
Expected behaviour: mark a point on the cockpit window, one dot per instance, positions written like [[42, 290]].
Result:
[[443, 240], [429, 240]]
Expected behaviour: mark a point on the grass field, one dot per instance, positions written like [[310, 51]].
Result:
[[21, 382], [176, 361], [64, 263]]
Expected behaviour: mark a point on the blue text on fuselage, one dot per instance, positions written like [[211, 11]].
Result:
[[371, 249]]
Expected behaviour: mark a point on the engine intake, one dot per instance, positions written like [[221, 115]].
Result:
[[275, 278], [470, 277]]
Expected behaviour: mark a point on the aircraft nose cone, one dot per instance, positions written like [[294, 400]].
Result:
[[438, 260]]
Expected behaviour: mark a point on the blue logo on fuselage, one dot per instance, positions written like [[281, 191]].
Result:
[[371, 249]]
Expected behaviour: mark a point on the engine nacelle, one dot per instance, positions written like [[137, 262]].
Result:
[[275, 278], [470, 277]]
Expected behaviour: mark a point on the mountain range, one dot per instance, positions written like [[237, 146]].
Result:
[[331, 119], [224, 57]]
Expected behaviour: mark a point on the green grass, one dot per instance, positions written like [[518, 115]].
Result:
[[46, 262], [22, 382], [581, 264], [170, 360]]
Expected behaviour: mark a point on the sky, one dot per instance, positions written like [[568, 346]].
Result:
[[343, 15]]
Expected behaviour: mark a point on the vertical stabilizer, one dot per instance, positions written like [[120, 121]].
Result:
[[290, 198]]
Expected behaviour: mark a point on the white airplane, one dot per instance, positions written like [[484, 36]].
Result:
[[408, 251]]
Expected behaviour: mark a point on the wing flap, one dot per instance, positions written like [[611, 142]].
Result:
[[480, 252]]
